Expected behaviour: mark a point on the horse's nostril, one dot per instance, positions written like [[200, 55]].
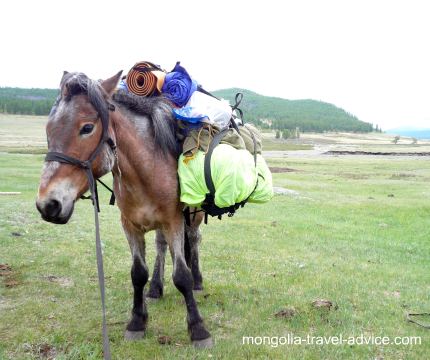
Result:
[[53, 208]]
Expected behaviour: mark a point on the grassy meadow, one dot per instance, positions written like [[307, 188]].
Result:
[[355, 233]]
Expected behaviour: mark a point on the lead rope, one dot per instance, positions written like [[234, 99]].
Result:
[[100, 270]]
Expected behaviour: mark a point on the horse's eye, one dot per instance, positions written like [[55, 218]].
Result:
[[86, 129]]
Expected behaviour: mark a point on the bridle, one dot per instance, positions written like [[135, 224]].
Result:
[[87, 164], [87, 167]]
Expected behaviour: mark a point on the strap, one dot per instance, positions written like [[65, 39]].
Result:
[[151, 67], [208, 177], [234, 125], [112, 196], [238, 99], [200, 89], [63, 158], [100, 270], [95, 198]]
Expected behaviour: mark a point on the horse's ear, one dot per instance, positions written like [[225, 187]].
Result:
[[62, 88], [109, 85], [65, 73]]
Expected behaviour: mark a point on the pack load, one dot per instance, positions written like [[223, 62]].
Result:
[[145, 79], [201, 106], [221, 167], [238, 172]]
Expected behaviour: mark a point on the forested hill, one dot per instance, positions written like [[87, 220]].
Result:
[[27, 101], [307, 115], [277, 113]]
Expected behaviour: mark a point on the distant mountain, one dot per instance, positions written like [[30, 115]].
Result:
[[308, 115], [264, 111], [412, 132]]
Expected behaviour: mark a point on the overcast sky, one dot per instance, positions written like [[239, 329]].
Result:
[[371, 58]]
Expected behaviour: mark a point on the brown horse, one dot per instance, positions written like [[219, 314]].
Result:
[[143, 161]]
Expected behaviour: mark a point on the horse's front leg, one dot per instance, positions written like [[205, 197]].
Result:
[[157, 280], [183, 280], [139, 277]]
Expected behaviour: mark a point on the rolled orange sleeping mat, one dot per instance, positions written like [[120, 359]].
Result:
[[145, 79]]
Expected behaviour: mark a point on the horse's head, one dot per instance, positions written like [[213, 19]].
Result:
[[75, 129]]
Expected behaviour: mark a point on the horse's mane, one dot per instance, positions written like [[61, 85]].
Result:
[[156, 109], [159, 111]]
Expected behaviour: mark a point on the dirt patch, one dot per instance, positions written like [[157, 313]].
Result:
[[164, 340], [345, 152], [354, 176], [394, 294], [9, 276], [62, 281], [400, 176], [276, 170], [41, 351], [10, 282], [287, 313], [5, 270], [324, 304]]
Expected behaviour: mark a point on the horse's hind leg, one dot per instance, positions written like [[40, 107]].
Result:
[[183, 280], [139, 277], [192, 240], [157, 280]]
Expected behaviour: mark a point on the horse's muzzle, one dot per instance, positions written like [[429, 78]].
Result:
[[53, 211]]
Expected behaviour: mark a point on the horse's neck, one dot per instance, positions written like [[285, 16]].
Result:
[[134, 149], [144, 181]]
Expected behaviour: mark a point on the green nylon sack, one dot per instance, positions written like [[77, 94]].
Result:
[[234, 175], [264, 190]]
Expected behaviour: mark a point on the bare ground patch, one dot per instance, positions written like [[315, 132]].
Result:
[[400, 176], [10, 278], [346, 152], [41, 351], [276, 170], [354, 176], [60, 280]]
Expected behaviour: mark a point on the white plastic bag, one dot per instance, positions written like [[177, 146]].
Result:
[[201, 105]]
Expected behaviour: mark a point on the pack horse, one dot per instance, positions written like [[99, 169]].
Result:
[[92, 131]]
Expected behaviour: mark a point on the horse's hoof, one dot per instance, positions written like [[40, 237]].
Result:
[[203, 344], [133, 335]]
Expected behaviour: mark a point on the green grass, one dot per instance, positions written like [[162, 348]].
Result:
[[357, 234], [35, 150]]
